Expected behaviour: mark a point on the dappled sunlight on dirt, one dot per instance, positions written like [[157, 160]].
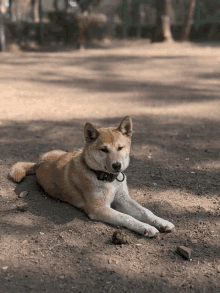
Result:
[[172, 95], [169, 80]]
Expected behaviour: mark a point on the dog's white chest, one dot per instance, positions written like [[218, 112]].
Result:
[[120, 187]]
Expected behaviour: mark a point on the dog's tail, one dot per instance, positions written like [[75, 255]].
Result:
[[20, 170]]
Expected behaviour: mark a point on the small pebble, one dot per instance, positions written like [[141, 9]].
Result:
[[184, 251], [120, 238], [23, 194]]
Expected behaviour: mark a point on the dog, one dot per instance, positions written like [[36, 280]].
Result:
[[93, 179]]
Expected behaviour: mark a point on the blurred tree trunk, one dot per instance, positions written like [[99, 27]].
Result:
[[135, 17], [125, 17], [66, 5], [188, 20], [12, 9], [163, 26], [55, 5], [2, 33], [35, 10], [41, 34]]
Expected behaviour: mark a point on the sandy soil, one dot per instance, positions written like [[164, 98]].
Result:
[[172, 95]]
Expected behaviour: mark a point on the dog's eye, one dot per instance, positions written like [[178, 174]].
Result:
[[120, 148], [104, 150]]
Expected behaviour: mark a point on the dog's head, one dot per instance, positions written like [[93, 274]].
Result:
[[108, 149]]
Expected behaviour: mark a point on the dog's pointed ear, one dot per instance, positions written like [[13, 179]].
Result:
[[125, 126], [90, 132]]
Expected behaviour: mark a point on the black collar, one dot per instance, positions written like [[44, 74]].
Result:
[[105, 176]]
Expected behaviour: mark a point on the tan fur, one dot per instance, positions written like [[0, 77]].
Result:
[[69, 176]]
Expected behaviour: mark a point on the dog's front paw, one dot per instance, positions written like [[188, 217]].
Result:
[[165, 226], [151, 232]]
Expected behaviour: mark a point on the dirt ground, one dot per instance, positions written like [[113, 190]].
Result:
[[172, 94]]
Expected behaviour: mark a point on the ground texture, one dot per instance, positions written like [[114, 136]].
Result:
[[172, 94]]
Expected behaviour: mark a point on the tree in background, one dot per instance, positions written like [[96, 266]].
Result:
[[135, 12], [2, 31], [137, 8], [55, 5], [124, 12], [66, 4], [35, 10], [17, 9], [125, 16], [86, 21], [188, 20], [130, 12], [12, 9], [163, 27]]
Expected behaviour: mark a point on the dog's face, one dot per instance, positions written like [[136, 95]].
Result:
[[108, 149]]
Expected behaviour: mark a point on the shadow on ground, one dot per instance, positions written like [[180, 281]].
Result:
[[49, 246], [71, 234], [168, 153], [108, 79]]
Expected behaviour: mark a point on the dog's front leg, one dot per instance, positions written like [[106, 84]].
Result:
[[111, 216], [125, 204]]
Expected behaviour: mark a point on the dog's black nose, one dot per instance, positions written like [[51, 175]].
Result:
[[116, 166]]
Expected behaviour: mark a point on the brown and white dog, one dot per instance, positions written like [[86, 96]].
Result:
[[93, 179]]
